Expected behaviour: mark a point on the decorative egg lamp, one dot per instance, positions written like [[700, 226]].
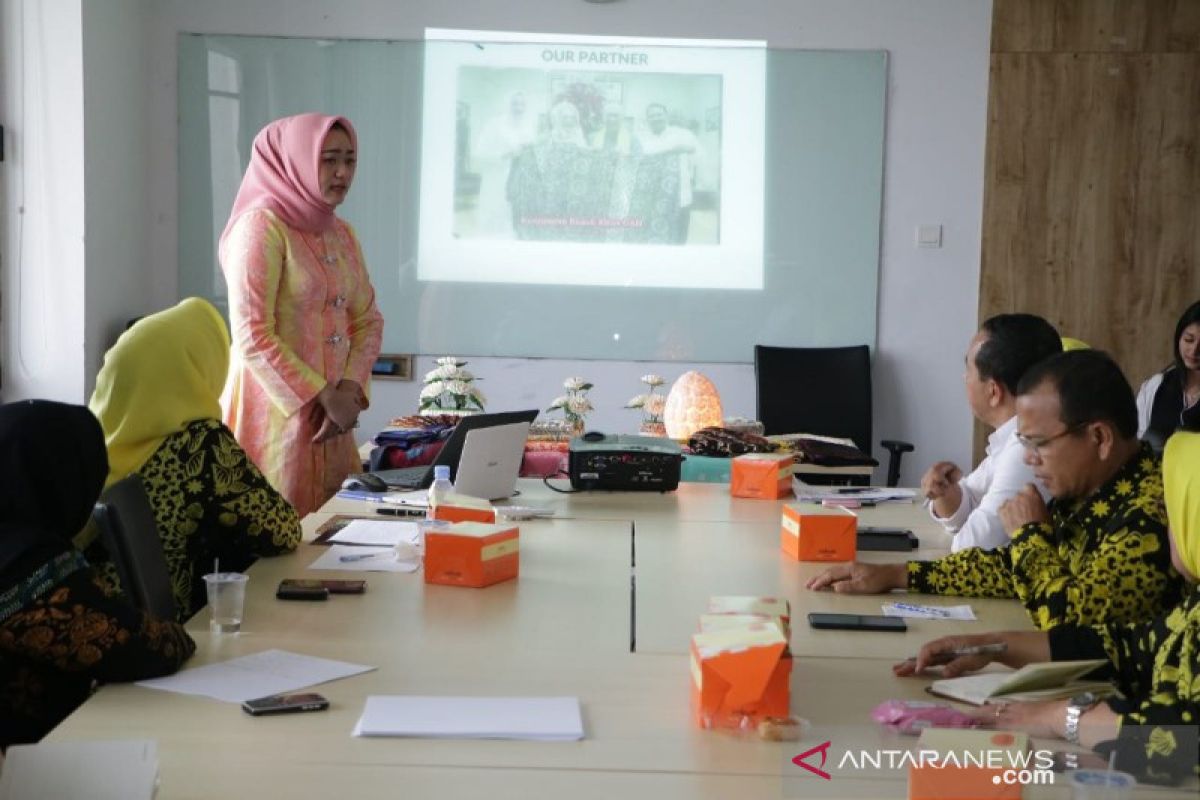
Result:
[[692, 404]]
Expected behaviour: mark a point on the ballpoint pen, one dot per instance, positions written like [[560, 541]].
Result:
[[361, 556], [941, 657]]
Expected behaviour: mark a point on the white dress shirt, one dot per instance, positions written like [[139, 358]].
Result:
[[1145, 402], [1001, 474]]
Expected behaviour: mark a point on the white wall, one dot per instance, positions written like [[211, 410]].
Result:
[[115, 172], [933, 174], [42, 200]]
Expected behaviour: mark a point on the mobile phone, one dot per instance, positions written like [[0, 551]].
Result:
[[293, 590], [285, 704], [857, 622], [330, 586], [871, 538]]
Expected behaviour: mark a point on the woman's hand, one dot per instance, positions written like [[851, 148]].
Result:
[[360, 396], [1044, 719], [341, 405], [945, 651], [1019, 648]]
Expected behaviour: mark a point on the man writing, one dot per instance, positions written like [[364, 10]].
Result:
[[1005, 347], [1099, 553]]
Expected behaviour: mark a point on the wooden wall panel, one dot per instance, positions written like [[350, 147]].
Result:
[[1092, 180], [1023, 26], [1101, 25], [1095, 26], [1173, 26]]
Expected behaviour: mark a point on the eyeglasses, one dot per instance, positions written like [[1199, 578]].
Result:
[[1039, 443]]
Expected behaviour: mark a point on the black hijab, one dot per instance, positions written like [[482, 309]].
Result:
[[52, 468]]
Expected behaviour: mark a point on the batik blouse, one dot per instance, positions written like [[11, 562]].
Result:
[[60, 635], [210, 502], [1103, 558]]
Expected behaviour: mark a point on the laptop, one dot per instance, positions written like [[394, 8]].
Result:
[[451, 452], [491, 461]]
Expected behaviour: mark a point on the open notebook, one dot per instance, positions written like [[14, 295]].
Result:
[[1045, 681]]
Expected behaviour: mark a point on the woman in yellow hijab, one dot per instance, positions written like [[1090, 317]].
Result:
[[1155, 665], [158, 400]]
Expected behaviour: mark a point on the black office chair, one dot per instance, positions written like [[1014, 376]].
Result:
[[125, 521], [820, 390]]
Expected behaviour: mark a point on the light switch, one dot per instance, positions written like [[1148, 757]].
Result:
[[929, 236]]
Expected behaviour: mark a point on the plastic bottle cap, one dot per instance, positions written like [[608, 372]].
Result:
[[441, 471]]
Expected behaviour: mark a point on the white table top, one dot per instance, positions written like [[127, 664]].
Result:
[[562, 628]]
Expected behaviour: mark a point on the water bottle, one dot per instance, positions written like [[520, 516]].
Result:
[[440, 487]]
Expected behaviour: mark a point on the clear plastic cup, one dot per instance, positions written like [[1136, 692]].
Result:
[[226, 599], [1101, 784]]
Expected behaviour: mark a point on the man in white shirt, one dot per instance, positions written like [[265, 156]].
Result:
[[660, 137], [999, 354]]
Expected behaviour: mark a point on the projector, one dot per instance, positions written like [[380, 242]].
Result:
[[624, 463]]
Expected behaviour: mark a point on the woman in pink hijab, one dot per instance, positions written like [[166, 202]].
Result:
[[302, 311]]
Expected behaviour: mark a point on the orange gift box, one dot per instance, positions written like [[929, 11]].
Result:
[[463, 508], [740, 675], [472, 554], [764, 476], [819, 536], [731, 606], [969, 765]]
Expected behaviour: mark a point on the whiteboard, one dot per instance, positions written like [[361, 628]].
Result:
[[821, 222]]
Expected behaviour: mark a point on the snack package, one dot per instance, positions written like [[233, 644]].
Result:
[[913, 716]]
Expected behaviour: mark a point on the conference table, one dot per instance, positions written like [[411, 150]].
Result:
[[609, 593]]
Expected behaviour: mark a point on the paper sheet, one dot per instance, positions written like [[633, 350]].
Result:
[[97, 770], [381, 559], [384, 533], [547, 719], [258, 675], [876, 494], [916, 611]]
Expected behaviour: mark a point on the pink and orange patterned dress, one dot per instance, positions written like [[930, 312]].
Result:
[[302, 314]]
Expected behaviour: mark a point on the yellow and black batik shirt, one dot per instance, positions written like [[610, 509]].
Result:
[[210, 502], [1103, 558], [1156, 667]]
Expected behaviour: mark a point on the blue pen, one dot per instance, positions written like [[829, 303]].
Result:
[[359, 556]]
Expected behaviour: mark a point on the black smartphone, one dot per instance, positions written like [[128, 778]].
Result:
[[857, 622], [873, 538], [285, 704], [331, 586], [297, 590]]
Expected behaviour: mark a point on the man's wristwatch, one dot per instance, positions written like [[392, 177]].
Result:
[[1077, 706]]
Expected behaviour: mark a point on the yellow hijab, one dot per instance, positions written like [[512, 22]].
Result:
[[1181, 485], [164, 372]]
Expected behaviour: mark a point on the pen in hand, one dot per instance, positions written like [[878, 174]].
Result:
[[945, 656]]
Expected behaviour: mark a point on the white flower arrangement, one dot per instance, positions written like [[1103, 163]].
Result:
[[574, 404], [651, 403], [449, 388]]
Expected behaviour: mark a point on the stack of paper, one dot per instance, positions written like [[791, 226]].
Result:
[[874, 494], [545, 719], [382, 533], [115, 770], [266, 673]]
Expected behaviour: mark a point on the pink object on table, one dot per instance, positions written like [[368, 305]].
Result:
[[543, 464], [913, 716]]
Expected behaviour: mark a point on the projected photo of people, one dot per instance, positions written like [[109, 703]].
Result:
[[555, 155]]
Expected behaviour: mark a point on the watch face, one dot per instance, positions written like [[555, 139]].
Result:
[[1085, 700]]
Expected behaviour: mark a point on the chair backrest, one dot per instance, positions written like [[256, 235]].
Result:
[[821, 390], [126, 523]]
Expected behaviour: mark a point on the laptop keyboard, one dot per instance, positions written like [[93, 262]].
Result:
[[404, 477]]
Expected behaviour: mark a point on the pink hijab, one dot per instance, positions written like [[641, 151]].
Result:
[[283, 172]]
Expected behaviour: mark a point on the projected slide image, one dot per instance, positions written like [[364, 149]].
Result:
[[546, 155]]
